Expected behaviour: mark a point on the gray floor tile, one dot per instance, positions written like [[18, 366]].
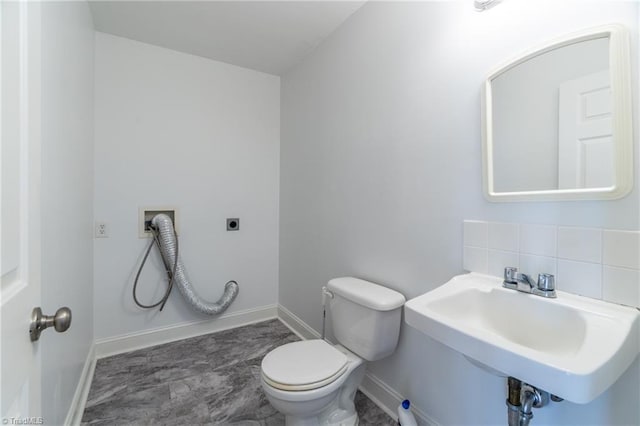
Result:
[[210, 380]]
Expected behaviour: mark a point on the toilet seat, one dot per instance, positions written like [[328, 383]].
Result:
[[305, 365]]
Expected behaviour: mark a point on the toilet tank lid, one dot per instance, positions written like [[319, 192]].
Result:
[[365, 293]]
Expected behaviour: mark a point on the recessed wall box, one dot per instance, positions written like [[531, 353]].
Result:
[[145, 214]]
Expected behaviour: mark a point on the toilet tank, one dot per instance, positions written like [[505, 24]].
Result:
[[365, 317]]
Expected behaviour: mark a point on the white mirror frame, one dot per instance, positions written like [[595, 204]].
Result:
[[620, 73]]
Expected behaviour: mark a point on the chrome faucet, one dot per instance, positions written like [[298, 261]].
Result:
[[514, 280]]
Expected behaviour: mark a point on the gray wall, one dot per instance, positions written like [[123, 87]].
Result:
[[380, 163], [174, 129], [67, 197]]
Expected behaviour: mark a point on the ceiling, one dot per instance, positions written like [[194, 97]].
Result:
[[268, 36]]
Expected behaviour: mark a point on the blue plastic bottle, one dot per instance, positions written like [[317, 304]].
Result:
[[405, 416]]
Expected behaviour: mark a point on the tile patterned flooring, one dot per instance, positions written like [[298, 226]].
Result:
[[212, 379]]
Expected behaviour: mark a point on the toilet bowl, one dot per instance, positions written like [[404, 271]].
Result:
[[321, 387], [313, 382]]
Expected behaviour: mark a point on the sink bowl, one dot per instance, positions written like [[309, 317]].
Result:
[[574, 347]]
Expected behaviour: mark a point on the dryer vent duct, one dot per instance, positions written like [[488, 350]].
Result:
[[168, 249]]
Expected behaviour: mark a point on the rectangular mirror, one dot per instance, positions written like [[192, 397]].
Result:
[[557, 121]]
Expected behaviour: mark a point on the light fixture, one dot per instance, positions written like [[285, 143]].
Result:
[[482, 5]]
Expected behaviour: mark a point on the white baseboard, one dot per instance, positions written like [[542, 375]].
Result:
[[133, 341], [383, 395], [388, 399], [295, 324], [74, 415]]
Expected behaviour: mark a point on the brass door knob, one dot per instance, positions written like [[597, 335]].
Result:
[[60, 321]]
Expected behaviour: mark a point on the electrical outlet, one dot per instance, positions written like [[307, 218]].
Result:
[[102, 231], [233, 224]]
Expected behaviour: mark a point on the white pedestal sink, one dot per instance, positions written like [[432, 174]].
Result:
[[574, 347]]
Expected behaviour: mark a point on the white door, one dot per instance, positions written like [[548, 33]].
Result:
[[585, 138], [20, 216]]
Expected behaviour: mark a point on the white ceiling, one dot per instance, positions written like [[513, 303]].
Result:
[[268, 36]]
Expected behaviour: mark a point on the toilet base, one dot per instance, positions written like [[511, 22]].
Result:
[[351, 420], [332, 415]]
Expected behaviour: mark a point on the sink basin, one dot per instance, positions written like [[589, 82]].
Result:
[[574, 347]]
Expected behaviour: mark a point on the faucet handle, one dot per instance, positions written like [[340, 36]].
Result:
[[510, 274], [546, 282]]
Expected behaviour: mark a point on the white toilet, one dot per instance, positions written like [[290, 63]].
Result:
[[313, 382]]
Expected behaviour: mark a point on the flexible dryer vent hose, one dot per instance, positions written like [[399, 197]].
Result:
[[168, 247]]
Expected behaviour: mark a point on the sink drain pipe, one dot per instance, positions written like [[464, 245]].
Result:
[[530, 397], [513, 401], [522, 399]]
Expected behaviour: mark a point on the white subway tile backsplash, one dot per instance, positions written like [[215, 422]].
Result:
[[498, 259], [475, 259], [621, 248], [580, 278], [598, 263], [475, 233], [620, 285], [538, 239], [533, 265], [503, 236], [583, 244]]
